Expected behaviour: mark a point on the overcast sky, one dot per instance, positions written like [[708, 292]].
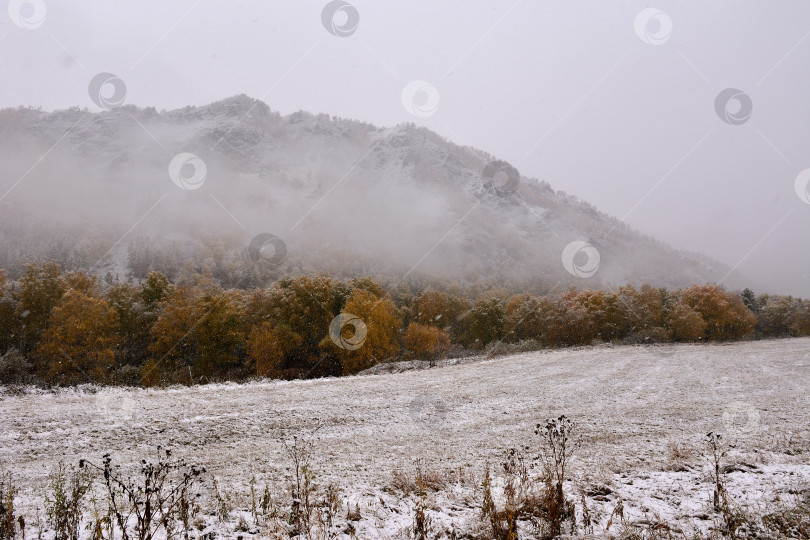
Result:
[[603, 100]]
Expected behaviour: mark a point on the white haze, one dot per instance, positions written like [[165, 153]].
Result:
[[566, 92]]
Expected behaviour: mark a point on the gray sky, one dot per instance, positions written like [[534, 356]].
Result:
[[568, 92]]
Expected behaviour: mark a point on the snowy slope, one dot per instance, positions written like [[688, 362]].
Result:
[[631, 405]]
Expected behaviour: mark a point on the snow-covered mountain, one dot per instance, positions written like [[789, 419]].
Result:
[[344, 196]]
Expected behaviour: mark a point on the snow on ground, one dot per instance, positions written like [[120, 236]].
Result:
[[633, 407]]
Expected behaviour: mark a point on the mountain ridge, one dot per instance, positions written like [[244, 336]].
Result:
[[399, 196]]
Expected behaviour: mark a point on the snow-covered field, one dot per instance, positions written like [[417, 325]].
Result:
[[632, 406]]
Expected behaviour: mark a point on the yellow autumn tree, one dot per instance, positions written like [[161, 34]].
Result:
[[78, 345], [82, 282], [306, 305], [134, 323], [39, 290], [607, 315], [381, 321], [484, 323], [267, 347], [218, 335], [685, 323], [198, 334], [775, 316], [155, 289], [527, 317], [173, 345], [9, 323], [800, 325], [644, 313]]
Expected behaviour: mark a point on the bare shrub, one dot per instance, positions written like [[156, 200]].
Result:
[[264, 505], [65, 504], [678, 456], [516, 490], [299, 452], [8, 521], [222, 499], [488, 505], [733, 519], [254, 510], [790, 520], [539, 501], [161, 500], [500, 348], [587, 520], [717, 452], [422, 524], [648, 529], [556, 448], [353, 513], [312, 509], [401, 481], [408, 483], [127, 376]]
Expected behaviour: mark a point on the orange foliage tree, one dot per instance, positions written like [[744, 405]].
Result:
[[725, 314], [439, 309], [571, 322], [82, 282], [426, 341]]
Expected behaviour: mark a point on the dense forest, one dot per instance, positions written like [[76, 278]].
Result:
[[65, 328]]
